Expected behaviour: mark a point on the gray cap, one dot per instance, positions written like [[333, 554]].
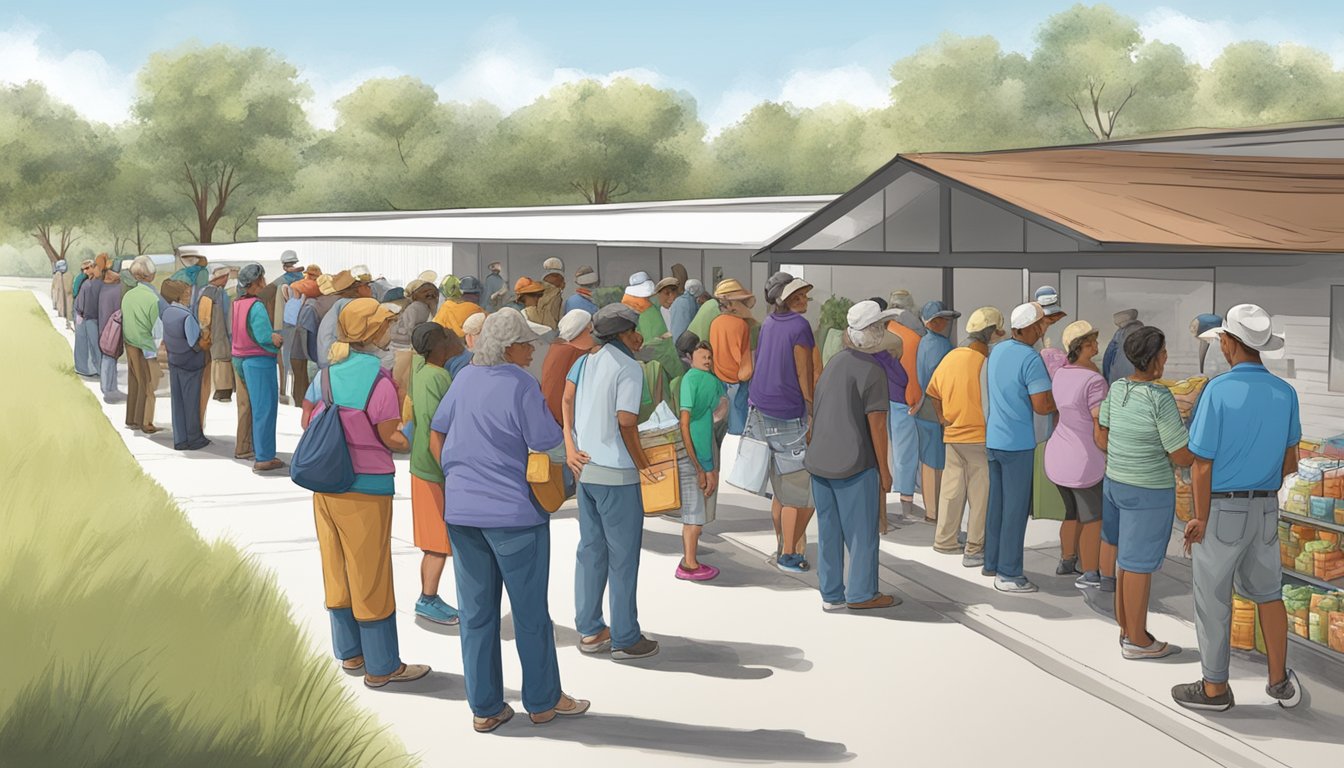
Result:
[[613, 320], [470, 285], [288, 257]]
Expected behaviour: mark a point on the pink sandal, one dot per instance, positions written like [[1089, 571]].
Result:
[[703, 573]]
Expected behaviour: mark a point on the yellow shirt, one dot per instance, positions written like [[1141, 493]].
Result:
[[956, 383], [452, 314]]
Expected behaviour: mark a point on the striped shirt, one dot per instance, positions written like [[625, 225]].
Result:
[[1145, 426]]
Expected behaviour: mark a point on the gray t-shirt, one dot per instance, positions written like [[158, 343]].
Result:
[[852, 386]]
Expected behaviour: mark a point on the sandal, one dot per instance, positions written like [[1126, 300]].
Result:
[[353, 664], [567, 706], [488, 724]]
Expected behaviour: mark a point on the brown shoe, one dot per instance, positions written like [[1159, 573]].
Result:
[[567, 706], [149, 429], [353, 665], [488, 724], [405, 674], [599, 643], [245, 456], [879, 601], [268, 466]]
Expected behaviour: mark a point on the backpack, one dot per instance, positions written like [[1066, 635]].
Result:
[[109, 341], [321, 462]]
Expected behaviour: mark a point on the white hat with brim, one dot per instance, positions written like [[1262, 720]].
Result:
[[517, 328], [1026, 315], [866, 313], [796, 285], [641, 286], [1249, 324]]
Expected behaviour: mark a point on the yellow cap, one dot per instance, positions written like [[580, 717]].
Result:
[[983, 318]]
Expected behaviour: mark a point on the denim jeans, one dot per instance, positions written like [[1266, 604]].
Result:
[[487, 561], [1010, 476], [376, 641], [263, 391], [611, 530], [847, 520], [904, 449], [87, 354], [107, 375], [737, 407]]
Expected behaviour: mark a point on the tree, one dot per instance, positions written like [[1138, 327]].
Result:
[[1253, 83], [56, 167], [226, 122], [602, 142], [137, 211]]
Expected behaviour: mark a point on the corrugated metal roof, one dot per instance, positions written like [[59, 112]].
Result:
[[734, 223], [1162, 198]]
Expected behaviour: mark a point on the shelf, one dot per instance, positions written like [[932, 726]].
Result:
[[1324, 650], [1300, 520], [1337, 586]]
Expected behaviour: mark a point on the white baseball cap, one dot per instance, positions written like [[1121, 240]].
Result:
[[1251, 325], [573, 323], [866, 313], [1026, 315], [641, 285]]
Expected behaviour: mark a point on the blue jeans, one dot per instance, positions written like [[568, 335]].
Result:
[[107, 374], [904, 449], [611, 530], [263, 389], [376, 641], [487, 561], [847, 520], [88, 356], [1010, 475], [737, 407]]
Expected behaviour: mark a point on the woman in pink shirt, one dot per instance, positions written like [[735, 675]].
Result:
[[1075, 463]]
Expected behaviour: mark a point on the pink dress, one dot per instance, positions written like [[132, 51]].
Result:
[[1072, 458]]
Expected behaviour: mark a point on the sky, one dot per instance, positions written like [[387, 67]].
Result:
[[729, 54]]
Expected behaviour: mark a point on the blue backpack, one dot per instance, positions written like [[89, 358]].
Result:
[[321, 461]]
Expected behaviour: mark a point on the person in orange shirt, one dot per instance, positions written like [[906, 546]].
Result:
[[455, 310], [904, 433], [730, 338]]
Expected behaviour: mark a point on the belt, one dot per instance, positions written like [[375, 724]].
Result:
[[1245, 495]]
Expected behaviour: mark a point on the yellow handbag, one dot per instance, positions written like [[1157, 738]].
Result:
[[664, 495], [547, 480]]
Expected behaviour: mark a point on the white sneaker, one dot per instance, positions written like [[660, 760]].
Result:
[[1154, 650], [834, 607], [1018, 585]]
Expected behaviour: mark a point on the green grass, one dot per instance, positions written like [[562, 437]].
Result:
[[127, 640]]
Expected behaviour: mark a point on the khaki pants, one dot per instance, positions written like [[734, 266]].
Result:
[[222, 372], [143, 377], [401, 373], [354, 537], [301, 381], [965, 479], [242, 447]]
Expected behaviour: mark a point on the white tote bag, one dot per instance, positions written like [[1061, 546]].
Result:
[[751, 471]]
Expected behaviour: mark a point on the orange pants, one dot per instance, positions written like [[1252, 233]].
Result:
[[354, 537], [431, 532]]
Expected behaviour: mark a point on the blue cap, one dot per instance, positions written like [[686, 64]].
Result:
[[1207, 322], [936, 309], [1048, 298]]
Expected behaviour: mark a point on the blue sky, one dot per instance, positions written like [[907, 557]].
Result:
[[729, 55]]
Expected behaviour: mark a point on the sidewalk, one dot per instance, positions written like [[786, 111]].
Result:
[[752, 670]]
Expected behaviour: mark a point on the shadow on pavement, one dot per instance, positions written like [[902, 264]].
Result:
[[778, 746], [441, 685]]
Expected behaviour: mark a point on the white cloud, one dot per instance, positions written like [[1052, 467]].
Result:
[[1204, 40], [511, 77], [321, 108], [83, 79]]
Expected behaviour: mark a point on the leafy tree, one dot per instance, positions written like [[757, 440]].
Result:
[[226, 123], [136, 213], [777, 149], [56, 167], [1254, 83]]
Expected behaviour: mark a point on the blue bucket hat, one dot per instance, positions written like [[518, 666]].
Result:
[[1207, 322], [937, 309]]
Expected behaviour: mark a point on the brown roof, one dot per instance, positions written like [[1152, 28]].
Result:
[[1159, 198]]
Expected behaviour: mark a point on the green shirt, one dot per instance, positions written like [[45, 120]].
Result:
[[703, 317], [1145, 426], [429, 383], [700, 394], [139, 312]]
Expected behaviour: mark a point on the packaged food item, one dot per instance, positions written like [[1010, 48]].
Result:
[[1333, 447], [1243, 623], [1335, 631], [1333, 483], [1339, 512], [1309, 447]]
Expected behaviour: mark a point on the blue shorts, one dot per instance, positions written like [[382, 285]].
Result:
[[1145, 519], [932, 452]]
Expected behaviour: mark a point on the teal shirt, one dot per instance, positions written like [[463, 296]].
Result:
[[700, 394], [1145, 426], [350, 381], [259, 322]]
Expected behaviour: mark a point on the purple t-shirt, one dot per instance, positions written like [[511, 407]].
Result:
[[774, 384], [897, 377], [1072, 458], [491, 418]]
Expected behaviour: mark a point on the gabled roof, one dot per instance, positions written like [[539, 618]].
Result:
[[1165, 198]]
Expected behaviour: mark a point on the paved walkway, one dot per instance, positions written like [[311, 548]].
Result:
[[752, 670]]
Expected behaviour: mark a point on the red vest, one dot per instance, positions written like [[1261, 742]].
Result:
[[243, 345]]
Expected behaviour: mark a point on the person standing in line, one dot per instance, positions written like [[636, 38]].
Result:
[[1145, 440], [288, 303], [87, 356], [62, 298], [585, 281], [905, 433], [454, 309], [433, 345], [1019, 388], [576, 340], [1074, 461], [730, 338], [528, 293], [602, 449], [471, 330], [704, 317], [423, 302], [471, 291], [652, 328], [889, 358], [780, 412], [1114, 364], [255, 346], [957, 393], [667, 290], [354, 529], [142, 332], [212, 314], [337, 290], [552, 304], [494, 287], [84, 267], [701, 401], [1202, 324], [684, 308], [109, 301], [1244, 438], [847, 462], [934, 345], [187, 360], [1053, 356]]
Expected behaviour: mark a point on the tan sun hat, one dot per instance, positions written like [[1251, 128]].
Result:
[[730, 288], [1076, 330]]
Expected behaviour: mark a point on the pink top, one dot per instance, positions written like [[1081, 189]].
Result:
[[1054, 359], [1072, 458], [368, 455]]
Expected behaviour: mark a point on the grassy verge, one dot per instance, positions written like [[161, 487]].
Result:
[[127, 640]]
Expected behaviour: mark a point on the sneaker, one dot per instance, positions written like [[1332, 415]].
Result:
[[436, 610], [949, 551], [988, 572], [642, 649], [1089, 580], [1288, 692], [1107, 583], [1193, 696], [878, 601], [1154, 650], [1017, 585], [599, 643], [702, 573], [114, 398], [833, 607], [1067, 567], [791, 563], [973, 561]]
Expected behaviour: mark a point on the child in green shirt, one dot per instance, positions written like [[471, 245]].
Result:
[[703, 401]]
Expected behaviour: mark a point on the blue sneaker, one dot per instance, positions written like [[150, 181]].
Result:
[[791, 564], [436, 610]]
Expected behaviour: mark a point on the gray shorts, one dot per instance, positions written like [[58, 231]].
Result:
[[695, 508], [1081, 504], [790, 483]]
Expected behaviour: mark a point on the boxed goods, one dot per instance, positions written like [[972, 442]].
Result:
[[1309, 447], [1333, 483], [1298, 492], [1321, 508], [1333, 447], [1335, 631], [1339, 511], [1243, 623], [1305, 563], [1186, 393]]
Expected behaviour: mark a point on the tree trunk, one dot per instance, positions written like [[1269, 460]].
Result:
[[55, 250]]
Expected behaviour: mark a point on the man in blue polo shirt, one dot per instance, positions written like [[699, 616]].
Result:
[[1244, 437], [933, 347], [1018, 388]]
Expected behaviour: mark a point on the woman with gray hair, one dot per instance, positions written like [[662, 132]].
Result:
[[141, 331], [685, 306], [255, 347], [492, 418]]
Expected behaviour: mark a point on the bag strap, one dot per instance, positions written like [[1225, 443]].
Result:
[[327, 396]]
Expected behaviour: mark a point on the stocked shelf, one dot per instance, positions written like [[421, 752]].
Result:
[[1325, 650], [1303, 520], [1337, 585]]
